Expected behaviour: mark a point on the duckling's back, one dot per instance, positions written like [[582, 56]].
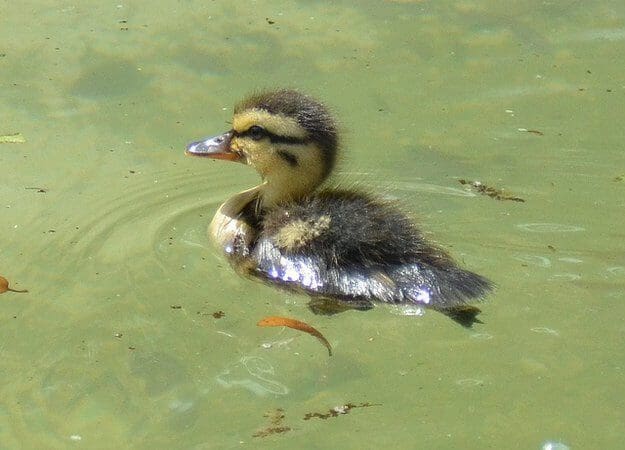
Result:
[[348, 246]]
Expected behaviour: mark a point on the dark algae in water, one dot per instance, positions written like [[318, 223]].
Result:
[[497, 194], [338, 410], [276, 426], [277, 416], [4, 286]]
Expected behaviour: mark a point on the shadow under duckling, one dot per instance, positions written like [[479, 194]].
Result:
[[344, 248]]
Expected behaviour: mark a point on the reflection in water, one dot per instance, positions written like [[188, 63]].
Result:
[[406, 310], [554, 445]]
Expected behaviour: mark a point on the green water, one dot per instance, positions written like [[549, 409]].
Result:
[[116, 345]]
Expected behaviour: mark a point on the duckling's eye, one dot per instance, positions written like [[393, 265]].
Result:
[[256, 132]]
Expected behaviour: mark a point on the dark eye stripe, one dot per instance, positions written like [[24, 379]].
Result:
[[275, 138], [287, 139], [290, 158]]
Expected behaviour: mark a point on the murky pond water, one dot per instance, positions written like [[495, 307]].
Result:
[[136, 334]]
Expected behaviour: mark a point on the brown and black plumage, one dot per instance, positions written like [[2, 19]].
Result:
[[342, 247]]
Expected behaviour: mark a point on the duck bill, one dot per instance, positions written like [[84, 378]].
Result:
[[216, 147]]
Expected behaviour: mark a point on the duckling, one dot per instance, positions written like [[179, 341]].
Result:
[[346, 249]]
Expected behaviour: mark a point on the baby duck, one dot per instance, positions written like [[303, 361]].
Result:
[[344, 248]]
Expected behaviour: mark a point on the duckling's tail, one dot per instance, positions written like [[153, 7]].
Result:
[[448, 290]]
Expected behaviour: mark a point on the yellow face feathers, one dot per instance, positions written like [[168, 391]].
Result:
[[289, 138], [277, 124]]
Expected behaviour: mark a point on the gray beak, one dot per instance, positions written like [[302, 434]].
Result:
[[216, 147]]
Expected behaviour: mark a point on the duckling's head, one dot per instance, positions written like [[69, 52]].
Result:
[[288, 137]]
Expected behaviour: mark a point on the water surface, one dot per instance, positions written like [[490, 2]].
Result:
[[117, 345]]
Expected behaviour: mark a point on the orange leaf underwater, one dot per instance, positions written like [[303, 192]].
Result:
[[4, 286], [273, 321]]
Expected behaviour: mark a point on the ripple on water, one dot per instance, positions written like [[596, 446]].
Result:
[[571, 260], [116, 228], [546, 227], [431, 188], [565, 277], [482, 336], [470, 382], [534, 260], [545, 330], [254, 374], [618, 271]]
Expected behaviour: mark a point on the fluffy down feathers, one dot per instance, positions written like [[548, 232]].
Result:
[[348, 246]]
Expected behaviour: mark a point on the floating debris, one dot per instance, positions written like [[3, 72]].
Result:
[[619, 178], [275, 426], [218, 314], [338, 410], [273, 321], [497, 194], [537, 132], [15, 138], [4, 286]]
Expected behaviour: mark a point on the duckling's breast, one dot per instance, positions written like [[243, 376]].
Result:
[[231, 229]]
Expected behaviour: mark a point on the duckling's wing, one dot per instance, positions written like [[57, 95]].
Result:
[[351, 248], [447, 291], [444, 289], [317, 276]]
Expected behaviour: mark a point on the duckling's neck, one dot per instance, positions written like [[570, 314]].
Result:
[[235, 225], [283, 188]]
